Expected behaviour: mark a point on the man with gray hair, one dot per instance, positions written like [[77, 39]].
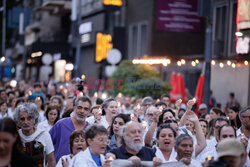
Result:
[[36, 142], [132, 145], [244, 131], [184, 148], [146, 103], [63, 128]]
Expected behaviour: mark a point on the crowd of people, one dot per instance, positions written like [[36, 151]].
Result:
[[66, 127]]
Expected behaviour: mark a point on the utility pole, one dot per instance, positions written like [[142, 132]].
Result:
[[3, 27], [78, 45]]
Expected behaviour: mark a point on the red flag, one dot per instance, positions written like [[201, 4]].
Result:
[[173, 82], [199, 92], [178, 88], [183, 89]]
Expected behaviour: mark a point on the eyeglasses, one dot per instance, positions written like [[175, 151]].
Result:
[[150, 115], [246, 117]]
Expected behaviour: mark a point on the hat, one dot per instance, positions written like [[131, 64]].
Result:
[[202, 106], [230, 147]]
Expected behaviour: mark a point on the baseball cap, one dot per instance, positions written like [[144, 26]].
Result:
[[202, 106], [230, 147]]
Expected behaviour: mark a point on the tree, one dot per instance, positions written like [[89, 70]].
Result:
[[138, 80]]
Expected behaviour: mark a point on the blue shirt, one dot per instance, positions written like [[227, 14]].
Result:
[[96, 159], [145, 154], [112, 144]]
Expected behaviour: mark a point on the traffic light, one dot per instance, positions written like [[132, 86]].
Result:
[[103, 46], [112, 2]]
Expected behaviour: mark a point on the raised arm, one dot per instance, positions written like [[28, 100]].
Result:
[[150, 133]]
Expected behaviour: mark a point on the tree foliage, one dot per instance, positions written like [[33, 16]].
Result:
[[138, 80]]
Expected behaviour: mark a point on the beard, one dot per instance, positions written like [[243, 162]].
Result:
[[131, 145], [78, 119]]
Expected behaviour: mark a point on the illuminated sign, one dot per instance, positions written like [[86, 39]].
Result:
[[103, 46], [85, 38], [112, 2]]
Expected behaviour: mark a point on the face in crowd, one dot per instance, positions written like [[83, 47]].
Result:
[[82, 110], [150, 114], [218, 124], [245, 120], [118, 125], [112, 109], [185, 149], [26, 122], [79, 144], [166, 139], [168, 116], [98, 143], [52, 115], [133, 136], [227, 131]]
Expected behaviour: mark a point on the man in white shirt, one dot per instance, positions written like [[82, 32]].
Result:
[[26, 116], [184, 148]]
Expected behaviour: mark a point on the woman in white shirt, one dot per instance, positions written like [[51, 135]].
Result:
[[165, 136], [52, 114], [77, 143], [3, 109]]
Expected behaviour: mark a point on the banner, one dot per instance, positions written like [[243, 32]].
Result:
[[178, 15], [243, 14]]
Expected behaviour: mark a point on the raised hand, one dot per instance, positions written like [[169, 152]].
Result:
[[178, 104], [191, 116], [190, 104]]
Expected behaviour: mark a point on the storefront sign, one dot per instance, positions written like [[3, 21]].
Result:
[[242, 46], [243, 14], [178, 15]]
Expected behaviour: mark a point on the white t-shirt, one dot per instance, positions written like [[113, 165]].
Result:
[[11, 113], [91, 120], [160, 155], [69, 157], [41, 116], [193, 163], [44, 125], [5, 115], [41, 136]]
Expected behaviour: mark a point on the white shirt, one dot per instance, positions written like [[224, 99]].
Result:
[[41, 136], [193, 163], [238, 133], [160, 155], [44, 125], [69, 157], [84, 159], [3, 116], [41, 116], [91, 120], [11, 113]]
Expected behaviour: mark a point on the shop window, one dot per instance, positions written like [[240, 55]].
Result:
[[138, 40]]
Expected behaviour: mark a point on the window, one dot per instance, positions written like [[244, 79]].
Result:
[[138, 40]]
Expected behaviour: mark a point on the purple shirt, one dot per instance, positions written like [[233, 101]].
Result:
[[60, 133]]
